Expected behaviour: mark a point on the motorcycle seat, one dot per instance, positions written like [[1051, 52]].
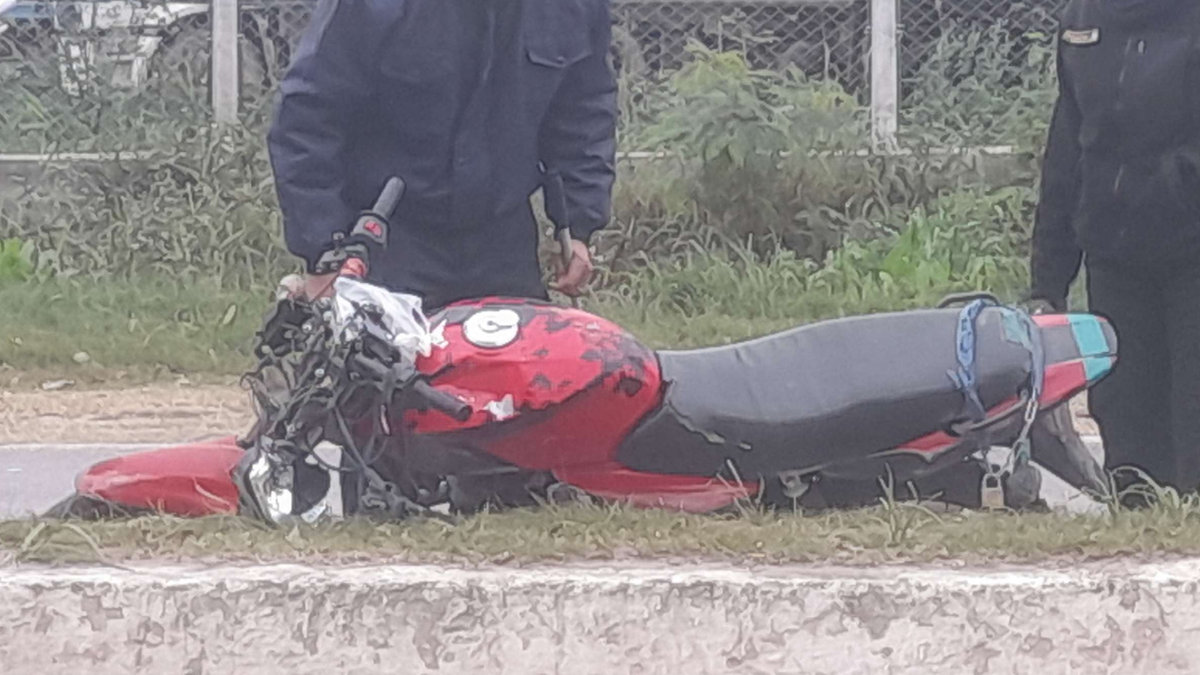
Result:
[[805, 397]]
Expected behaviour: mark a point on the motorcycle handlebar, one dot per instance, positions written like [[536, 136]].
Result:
[[389, 199], [441, 401], [427, 393], [372, 226]]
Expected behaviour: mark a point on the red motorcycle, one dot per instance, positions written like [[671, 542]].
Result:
[[367, 406]]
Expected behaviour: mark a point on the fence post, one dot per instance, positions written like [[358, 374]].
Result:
[[225, 73], [885, 75]]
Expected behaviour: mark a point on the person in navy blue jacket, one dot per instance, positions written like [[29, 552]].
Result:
[[1121, 194], [472, 103]]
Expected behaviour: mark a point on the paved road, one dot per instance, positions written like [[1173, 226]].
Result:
[[35, 477]]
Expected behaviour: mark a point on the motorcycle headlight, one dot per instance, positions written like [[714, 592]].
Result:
[[285, 491], [270, 482]]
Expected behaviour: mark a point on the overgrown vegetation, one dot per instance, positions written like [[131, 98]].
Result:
[[764, 157], [48, 108], [763, 215], [671, 286], [693, 295], [982, 85], [155, 326], [743, 142], [893, 531], [16, 261]]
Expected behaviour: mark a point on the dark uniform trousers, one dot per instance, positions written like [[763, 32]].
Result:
[[1121, 190], [1148, 409]]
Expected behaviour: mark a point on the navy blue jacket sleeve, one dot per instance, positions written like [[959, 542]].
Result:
[[327, 85], [1056, 253], [578, 136]]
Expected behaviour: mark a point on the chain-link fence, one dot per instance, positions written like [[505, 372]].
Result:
[[823, 38], [931, 25], [976, 72], [129, 75]]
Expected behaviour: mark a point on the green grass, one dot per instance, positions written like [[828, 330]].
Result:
[[151, 327], [157, 326], [888, 533], [161, 327]]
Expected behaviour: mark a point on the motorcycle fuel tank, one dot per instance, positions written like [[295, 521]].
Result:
[[549, 387]]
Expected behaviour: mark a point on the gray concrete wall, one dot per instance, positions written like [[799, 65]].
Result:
[[673, 620]]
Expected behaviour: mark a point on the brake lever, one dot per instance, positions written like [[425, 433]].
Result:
[[567, 251]]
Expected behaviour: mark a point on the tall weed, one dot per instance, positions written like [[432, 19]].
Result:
[[763, 173], [982, 85], [206, 208]]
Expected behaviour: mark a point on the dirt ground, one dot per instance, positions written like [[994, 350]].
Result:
[[158, 413]]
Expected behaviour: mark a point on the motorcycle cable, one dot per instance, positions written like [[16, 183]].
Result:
[[319, 372], [385, 493]]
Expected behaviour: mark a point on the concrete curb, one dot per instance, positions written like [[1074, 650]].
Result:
[[1117, 617]]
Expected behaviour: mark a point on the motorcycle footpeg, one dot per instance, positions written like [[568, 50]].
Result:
[[795, 485], [564, 494]]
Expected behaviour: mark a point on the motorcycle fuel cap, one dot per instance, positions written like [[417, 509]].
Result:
[[492, 328]]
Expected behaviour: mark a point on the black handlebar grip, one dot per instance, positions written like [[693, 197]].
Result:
[[442, 401], [438, 400], [372, 368], [389, 199]]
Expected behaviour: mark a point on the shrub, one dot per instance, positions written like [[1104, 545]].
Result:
[[762, 166], [16, 261], [982, 86]]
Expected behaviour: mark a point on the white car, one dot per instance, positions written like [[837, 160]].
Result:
[[129, 42]]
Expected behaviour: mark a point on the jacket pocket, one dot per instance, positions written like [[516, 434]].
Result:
[[559, 53], [547, 63], [557, 33]]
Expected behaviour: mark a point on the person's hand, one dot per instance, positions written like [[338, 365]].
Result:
[[306, 286], [572, 280]]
